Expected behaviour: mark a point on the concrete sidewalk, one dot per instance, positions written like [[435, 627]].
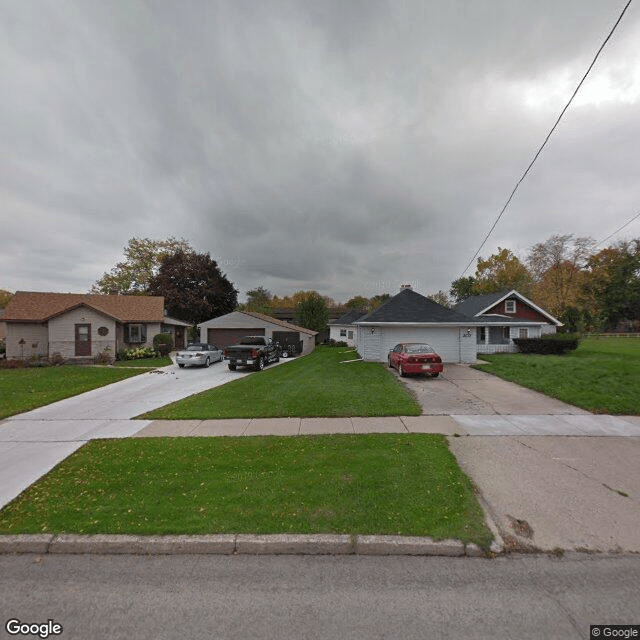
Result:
[[465, 425]]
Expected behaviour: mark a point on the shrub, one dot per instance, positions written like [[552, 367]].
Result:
[[335, 343], [56, 359], [104, 357], [13, 364], [550, 344], [163, 342], [138, 353]]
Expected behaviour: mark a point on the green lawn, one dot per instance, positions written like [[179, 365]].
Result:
[[25, 389], [314, 385], [366, 484], [602, 375]]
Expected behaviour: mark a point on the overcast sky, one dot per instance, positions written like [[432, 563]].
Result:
[[346, 146]]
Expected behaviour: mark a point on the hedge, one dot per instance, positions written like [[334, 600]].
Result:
[[550, 344]]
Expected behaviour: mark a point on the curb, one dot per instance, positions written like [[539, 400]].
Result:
[[241, 544]]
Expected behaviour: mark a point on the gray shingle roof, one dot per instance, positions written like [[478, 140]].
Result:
[[409, 306], [349, 317], [475, 304]]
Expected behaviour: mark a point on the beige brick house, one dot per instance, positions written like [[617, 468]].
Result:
[[81, 326]]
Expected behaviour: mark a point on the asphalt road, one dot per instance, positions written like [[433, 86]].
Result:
[[305, 597]]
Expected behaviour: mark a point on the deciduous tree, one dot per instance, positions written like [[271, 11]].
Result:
[[312, 312], [613, 283], [194, 288], [143, 257], [558, 269], [500, 272], [441, 298], [5, 298]]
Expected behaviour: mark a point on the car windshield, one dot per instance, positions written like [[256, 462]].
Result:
[[252, 340], [197, 347], [419, 348]]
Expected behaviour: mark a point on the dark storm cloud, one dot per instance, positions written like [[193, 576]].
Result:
[[341, 146]]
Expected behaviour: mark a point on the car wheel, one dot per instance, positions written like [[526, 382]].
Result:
[[181, 366], [389, 363], [260, 364], [207, 362], [277, 359], [435, 375], [401, 371], [285, 353], [232, 367]]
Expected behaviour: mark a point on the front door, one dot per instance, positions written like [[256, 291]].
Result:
[[83, 340]]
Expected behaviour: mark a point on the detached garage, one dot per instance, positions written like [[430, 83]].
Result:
[[228, 329], [411, 317]]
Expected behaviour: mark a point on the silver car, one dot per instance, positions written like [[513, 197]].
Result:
[[200, 354]]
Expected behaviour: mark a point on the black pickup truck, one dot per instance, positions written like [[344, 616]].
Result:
[[253, 351]]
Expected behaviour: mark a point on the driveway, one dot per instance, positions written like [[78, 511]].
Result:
[[461, 390], [32, 443]]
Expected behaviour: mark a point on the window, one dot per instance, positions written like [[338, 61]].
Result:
[[509, 306], [481, 334], [523, 333], [343, 333], [506, 333], [350, 335], [136, 333]]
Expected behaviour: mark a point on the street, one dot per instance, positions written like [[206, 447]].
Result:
[[281, 597]]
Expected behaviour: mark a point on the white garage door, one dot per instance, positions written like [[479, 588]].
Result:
[[451, 343]]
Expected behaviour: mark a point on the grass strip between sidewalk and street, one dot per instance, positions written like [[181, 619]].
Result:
[[396, 484], [320, 384], [601, 375], [29, 388]]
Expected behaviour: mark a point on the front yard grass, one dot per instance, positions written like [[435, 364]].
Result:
[[315, 385], [602, 375], [402, 484], [26, 389]]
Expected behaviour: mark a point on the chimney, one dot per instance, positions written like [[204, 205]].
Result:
[[405, 286]]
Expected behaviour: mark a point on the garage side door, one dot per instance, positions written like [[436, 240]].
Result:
[[226, 337]]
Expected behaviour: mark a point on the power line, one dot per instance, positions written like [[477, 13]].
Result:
[[547, 138], [626, 224]]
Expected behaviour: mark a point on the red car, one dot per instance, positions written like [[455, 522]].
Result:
[[415, 357]]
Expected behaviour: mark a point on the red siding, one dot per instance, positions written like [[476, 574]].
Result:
[[523, 311]]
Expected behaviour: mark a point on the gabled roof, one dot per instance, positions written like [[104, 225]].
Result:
[[474, 305], [31, 306], [409, 306], [348, 318], [282, 323], [477, 305]]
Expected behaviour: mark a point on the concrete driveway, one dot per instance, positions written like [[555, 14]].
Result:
[[551, 476], [32, 443], [461, 390], [558, 492]]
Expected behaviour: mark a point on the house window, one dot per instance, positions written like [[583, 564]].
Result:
[[523, 333], [509, 306], [136, 333], [350, 335], [506, 333], [343, 333], [481, 334]]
